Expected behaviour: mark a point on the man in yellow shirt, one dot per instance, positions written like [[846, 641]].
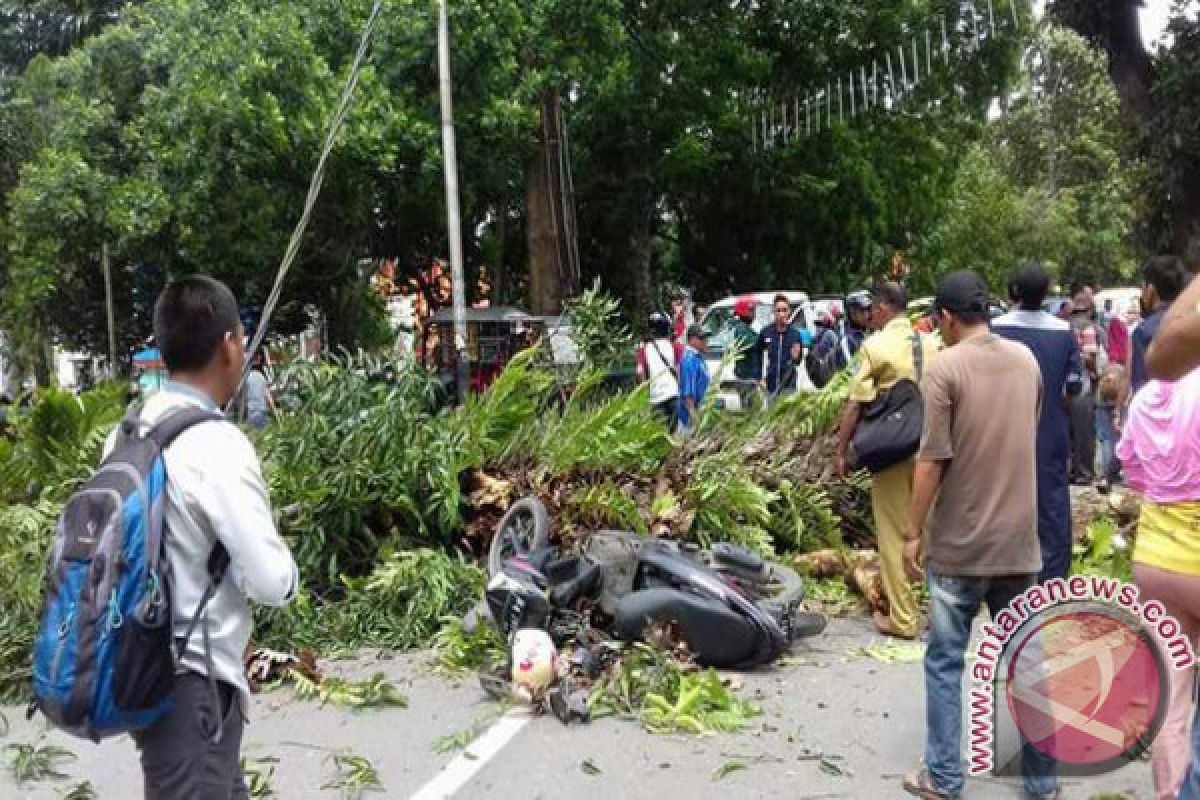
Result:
[[887, 358]]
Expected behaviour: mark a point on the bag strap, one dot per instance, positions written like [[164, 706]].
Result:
[[167, 431], [918, 356], [669, 364]]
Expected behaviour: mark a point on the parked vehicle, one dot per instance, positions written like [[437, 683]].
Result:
[[1054, 305], [730, 607], [1117, 302], [494, 336]]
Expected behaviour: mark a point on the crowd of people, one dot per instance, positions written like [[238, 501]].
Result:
[[767, 363], [1014, 409]]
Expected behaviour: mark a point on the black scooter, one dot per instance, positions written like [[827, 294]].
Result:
[[731, 608]]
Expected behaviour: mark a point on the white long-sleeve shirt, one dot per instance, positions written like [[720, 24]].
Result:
[[215, 491]]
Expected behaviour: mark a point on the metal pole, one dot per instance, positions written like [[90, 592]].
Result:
[[862, 80], [975, 26], [453, 217], [890, 97], [916, 63], [853, 109], [945, 44], [928, 53], [108, 302]]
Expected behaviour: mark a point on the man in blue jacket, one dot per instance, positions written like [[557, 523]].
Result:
[[693, 378], [1057, 353], [782, 344]]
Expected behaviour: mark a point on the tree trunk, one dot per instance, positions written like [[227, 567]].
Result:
[[544, 296], [550, 217], [1114, 26]]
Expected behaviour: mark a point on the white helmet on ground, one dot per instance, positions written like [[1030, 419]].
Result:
[[534, 662]]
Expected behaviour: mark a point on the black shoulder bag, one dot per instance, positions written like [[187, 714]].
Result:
[[889, 427]]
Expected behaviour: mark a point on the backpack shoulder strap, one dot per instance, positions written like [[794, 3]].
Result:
[[170, 428], [918, 356]]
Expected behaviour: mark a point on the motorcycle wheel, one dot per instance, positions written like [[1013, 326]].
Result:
[[524, 529]]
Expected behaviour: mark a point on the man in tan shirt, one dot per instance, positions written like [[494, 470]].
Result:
[[886, 358], [977, 470]]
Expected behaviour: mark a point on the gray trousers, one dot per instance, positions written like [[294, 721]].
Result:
[[180, 760], [1082, 411]]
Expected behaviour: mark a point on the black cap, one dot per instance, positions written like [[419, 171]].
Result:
[[962, 292], [697, 332]]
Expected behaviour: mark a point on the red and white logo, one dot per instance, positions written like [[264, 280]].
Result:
[[1087, 687], [1078, 669]]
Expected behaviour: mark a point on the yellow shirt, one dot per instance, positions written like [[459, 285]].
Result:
[[1169, 537], [887, 358]]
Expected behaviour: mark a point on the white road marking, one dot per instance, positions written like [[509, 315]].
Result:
[[458, 772]]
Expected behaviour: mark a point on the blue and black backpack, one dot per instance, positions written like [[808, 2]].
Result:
[[104, 661]]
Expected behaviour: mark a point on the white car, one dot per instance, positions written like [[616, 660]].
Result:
[[718, 321], [1118, 302]]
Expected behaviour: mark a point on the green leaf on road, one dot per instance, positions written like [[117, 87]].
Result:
[[727, 768]]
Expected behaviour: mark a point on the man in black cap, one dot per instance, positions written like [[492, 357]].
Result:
[[976, 471]]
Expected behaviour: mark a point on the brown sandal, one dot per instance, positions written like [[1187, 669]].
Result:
[[920, 783], [883, 624]]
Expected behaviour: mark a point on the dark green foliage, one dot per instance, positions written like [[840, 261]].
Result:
[[399, 606]]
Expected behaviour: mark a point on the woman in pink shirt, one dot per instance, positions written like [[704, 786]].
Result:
[[1160, 452]]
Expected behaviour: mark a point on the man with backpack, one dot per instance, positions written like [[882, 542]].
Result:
[[214, 513], [857, 326], [822, 359]]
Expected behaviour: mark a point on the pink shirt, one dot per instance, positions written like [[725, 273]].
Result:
[[1160, 449]]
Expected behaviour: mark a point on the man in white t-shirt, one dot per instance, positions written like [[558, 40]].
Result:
[[658, 362]]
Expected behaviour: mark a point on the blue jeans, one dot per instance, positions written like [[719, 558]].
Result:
[[1106, 437], [954, 600]]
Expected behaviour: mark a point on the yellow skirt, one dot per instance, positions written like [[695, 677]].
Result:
[[1169, 537]]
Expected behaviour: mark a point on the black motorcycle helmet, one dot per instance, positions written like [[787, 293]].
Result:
[[659, 325]]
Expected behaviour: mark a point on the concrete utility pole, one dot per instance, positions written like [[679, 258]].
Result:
[[113, 367], [453, 217]]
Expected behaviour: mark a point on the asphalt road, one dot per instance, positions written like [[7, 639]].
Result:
[[864, 718]]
